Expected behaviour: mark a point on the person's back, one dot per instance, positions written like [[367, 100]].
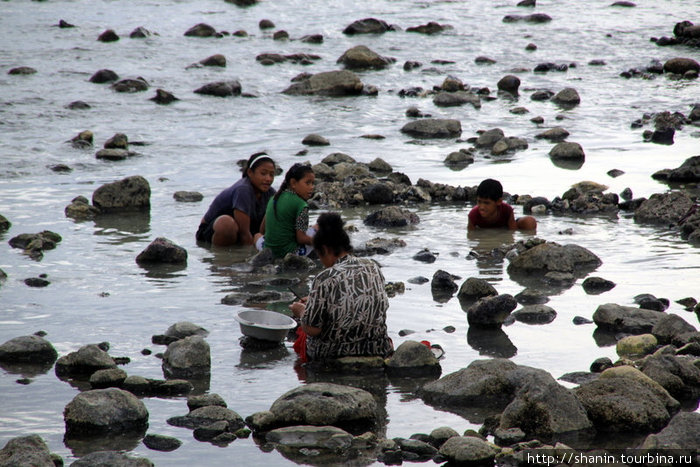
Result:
[[281, 223]]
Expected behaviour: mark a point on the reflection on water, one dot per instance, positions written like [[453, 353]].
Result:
[[263, 358], [491, 342], [27, 370], [83, 445], [123, 228]]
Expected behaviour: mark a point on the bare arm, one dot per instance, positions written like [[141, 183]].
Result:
[[298, 309], [243, 221], [470, 226], [303, 239], [512, 225]]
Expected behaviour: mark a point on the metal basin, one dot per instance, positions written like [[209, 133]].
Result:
[[265, 325]]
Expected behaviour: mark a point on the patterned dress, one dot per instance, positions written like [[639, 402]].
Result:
[[348, 302]]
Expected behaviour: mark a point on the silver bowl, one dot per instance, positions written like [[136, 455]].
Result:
[[265, 325]]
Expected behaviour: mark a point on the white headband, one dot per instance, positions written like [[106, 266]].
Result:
[[261, 156]]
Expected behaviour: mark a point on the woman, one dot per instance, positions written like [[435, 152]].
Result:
[[345, 312], [237, 213]]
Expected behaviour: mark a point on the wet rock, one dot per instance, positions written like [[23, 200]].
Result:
[[567, 97], [597, 285], [680, 433], [687, 172], [467, 450], [118, 141], [312, 39], [318, 404], [280, 35], [367, 26], [330, 83], [85, 361], [459, 159], [140, 33], [188, 196], [109, 410], [187, 358], [491, 311], [205, 400], [430, 28], [131, 193], [80, 209], [183, 329], [681, 65], [618, 318], [266, 24], [555, 134], [412, 358], [418, 280], [64, 24], [531, 296], [293, 262], [553, 257], [36, 282], [111, 458], [22, 70], [4, 224], [441, 434], [130, 85], [214, 60], [161, 250], [362, 58], [601, 364], [379, 165], [474, 288], [567, 151], [35, 244], [508, 437], [201, 30], [488, 138], [319, 437], [114, 154], [526, 3], [664, 208], [624, 400], [28, 349], [535, 314], [669, 327], [220, 89], [104, 76], [391, 216], [315, 140], [161, 442], [509, 83], [26, 451], [163, 97], [636, 346], [676, 374], [111, 378], [108, 36], [425, 256], [454, 99], [443, 284], [433, 128], [533, 18]]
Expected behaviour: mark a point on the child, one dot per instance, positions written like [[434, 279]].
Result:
[[491, 212], [287, 215], [237, 213]]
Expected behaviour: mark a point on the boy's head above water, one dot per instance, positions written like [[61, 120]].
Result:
[[490, 189]]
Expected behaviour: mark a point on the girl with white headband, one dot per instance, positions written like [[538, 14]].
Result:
[[238, 212]]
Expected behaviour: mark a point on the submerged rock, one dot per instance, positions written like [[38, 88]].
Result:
[[412, 358], [330, 83], [112, 459], [552, 257], [367, 26], [362, 57], [433, 128], [680, 434], [391, 216], [161, 250], [220, 89], [201, 30], [130, 85]]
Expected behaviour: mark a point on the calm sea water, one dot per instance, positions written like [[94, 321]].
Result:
[[98, 293]]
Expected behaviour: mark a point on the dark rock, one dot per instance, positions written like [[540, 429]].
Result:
[[64, 24], [474, 288], [201, 30], [118, 141], [131, 193], [108, 36], [542, 95], [161, 250], [412, 358], [187, 358], [104, 76], [36, 282], [433, 128], [114, 154], [614, 173], [535, 314], [555, 134], [315, 140], [205, 416], [422, 449], [567, 151], [163, 97], [443, 282], [331, 83], [624, 4], [489, 138], [430, 28], [188, 196], [425, 256], [533, 18], [109, 410], [205, 400], [87, 360], [687, 172], [669, 327], [467, 450], [280, 35], [361, 58], [220, 89], [508, 437], [391, 216], [680, 433], [214, 60], [453, 99], [80, 209], [78, 105], [663, 136], [597, 285], [22, 70], [28, 349], [60, 168], [681, 65], [531, 297], [312, 39], [367, 26], [509, 83], [491, 311], [617, 318], [110, 378], [112, 459], [266, 24], [161, 442], [418, 280], [567, 97], [26, 451], [664, 208], [553, 257], [130, 85], [483, 60], [601, 364], [677, 375], [140, 33], [411, 65]]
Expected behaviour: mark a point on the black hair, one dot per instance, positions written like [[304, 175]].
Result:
[[255, 160], [296, 172], [491, 189], [331, 234]]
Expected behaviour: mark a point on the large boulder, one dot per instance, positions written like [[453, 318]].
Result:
[[26, 451], [531, 398], [671, 326], [362, 57], [680, 433], [552, 257], [318, 404], [329, 83], [680, 65], [102, 411], [618, 318], [28, 349], [676, 374], [162, 250], [187, 358], [433, 128], [85, 361], [664, 208], [131, 193], [625, 400], [491, 311]]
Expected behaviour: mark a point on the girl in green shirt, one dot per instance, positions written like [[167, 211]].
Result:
[[287, 216]]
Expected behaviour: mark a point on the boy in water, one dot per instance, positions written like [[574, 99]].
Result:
[[491, 212]]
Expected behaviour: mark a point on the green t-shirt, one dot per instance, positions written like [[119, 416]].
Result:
[[281, 229]]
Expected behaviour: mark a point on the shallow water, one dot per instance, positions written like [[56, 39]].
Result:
[[98, 293]]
